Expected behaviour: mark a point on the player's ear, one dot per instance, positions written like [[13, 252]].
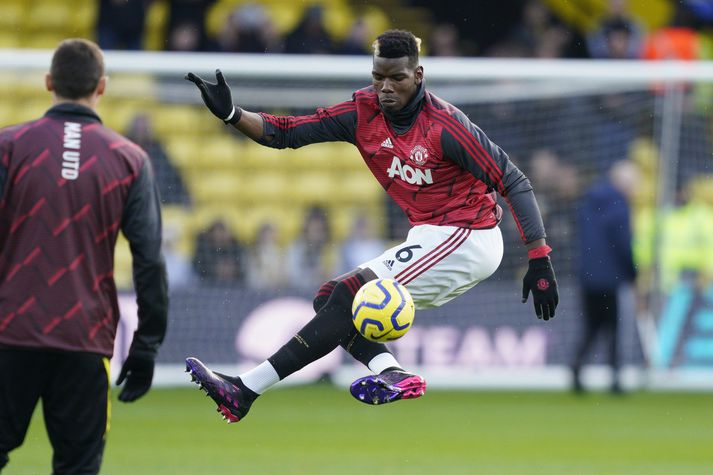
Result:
[[419, 74], [101, 86], [48, 83]]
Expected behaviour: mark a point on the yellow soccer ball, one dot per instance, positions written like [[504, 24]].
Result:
[[383, 310]]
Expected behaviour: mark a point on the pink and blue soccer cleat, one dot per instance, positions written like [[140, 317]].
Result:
[[388, 386], [232, 401]]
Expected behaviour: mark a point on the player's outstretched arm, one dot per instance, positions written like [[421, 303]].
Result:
[[540, 280], [219, 100]]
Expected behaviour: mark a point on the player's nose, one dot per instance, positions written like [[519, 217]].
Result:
[[386, 86]]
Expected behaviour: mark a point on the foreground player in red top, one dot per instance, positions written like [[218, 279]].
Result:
[[442, 170]]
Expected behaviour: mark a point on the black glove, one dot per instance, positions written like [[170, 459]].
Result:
[[540, 279], [217, 97], [138, 373]]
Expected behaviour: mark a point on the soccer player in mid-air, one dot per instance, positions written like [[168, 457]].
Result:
[[442, 170]]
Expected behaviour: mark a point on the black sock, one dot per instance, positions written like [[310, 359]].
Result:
[[361, 349], [329, 328]]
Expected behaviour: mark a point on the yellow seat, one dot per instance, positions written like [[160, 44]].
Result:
[[40, 40], [285, 16], [32, 110], [178, 119], [347, 156], [138, 89], [218, 152], [338, 19], [259, 157], [9, 39], [376, 20], [264, 188], [218, 14], [182, 151], [312, 187], [84, 14], [116, 114], [48, 15], [214, 187], [359, 188], [316, 156], [13, 15], [156, 25]]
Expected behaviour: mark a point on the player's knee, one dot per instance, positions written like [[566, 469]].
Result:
[[323, 295]]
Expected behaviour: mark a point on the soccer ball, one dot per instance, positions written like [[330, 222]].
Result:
[[383, 310]]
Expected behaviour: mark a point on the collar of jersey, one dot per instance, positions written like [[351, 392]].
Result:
[[71, 108]]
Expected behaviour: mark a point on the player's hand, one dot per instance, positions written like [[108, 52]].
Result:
[[540, 280], [217, 97], [138, 373]]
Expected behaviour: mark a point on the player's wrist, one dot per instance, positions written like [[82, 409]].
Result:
[[234, 116], [539, 252]]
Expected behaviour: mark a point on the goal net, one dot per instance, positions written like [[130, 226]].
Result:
[[564, 123]]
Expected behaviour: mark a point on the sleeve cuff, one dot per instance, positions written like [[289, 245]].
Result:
[[536, 253]]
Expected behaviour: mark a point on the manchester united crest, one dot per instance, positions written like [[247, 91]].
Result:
[[419, 155]]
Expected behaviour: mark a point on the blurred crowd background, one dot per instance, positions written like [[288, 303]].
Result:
[[651, 29], [298, 229]]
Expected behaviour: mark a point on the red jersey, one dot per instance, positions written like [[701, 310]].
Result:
[[443, 170], [68, 185]]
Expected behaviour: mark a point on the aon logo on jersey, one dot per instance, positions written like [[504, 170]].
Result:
[[412, 176]]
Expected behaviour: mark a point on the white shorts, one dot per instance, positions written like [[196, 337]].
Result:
[[439, 263]]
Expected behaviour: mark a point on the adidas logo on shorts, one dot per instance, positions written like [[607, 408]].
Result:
[[389, 263]]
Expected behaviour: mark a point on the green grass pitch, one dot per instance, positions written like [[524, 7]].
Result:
[[321, 430]]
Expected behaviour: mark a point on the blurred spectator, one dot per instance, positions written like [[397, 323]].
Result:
[[266, 266], [445, 41], [310, 35], [535, 23], [311, 256], [218, 257], [687, 238], [184, 37], [357, 40], [361, 245], [248, 29], [614, 127], [483, 25], [185, 28], [618, 37], [120, 24], [606, 263], [178, 267], [544, 36], [678, 41], [702, 9], [620, 41], [170, 184]]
